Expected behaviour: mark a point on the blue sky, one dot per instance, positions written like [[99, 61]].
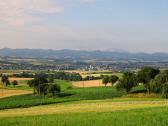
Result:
[[132, 25]]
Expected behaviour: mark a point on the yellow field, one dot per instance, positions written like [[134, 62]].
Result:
[[10, 92], [91, 73], [95, 75], [86, 72], [92, 83], [19, 79], [95, 106]]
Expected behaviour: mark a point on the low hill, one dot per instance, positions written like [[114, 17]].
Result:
[[83, 55]]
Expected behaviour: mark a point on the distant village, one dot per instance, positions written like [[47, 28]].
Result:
[[87, 66]]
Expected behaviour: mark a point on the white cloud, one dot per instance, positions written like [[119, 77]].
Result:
[[19, 12]]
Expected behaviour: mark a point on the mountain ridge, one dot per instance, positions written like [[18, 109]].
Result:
[[83, 54]]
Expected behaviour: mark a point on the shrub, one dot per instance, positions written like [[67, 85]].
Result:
[[165, 90], [14, 83], [53, 89]]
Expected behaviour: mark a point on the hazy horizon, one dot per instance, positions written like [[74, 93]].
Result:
[[111, 25], [115, 50]]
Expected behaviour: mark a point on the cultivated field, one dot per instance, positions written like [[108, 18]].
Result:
[[92, 83], [19, 79], [9, 92], [83, 107], [20, 89], [95, 73], [90, 113]]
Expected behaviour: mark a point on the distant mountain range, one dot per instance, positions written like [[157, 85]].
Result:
[[82, 55]]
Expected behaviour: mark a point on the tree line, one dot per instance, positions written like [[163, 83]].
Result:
[[65, 76], [154, 80]]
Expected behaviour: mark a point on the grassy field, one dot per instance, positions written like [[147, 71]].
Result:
[[67, 96], [88, 115], [64, 84], [83, 107]]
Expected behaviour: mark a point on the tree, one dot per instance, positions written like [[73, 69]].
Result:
[[53, 89], [39, 83], [156, 84], [51, 80], [165, 90], [105, 80], [146, 75], [113, 79], [5, 80], [128, 81], [14, 83]]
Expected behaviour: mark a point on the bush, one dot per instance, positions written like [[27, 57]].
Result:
[[165, 90], [53, 90], [14, 83]]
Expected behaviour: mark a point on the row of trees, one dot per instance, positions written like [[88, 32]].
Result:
[[154, 80], [55, 75], [91, 78], [66, 76], [44, 86], [6, 82], [110, 79], [23, 75]]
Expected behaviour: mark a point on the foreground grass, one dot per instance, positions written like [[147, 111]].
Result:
[[140, 117], [70, 95], [28, 100], [82, 107]]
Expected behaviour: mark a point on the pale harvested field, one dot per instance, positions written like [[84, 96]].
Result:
[[95, 75], [90, 73], [86, 72], [92, 83], [9, 92], [19, 79], [100, 106]]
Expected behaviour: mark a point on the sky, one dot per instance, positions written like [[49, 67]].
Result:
[[111, 25]]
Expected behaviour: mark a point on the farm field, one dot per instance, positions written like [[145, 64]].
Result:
[[91, 83], [95, 73], [83, 107], [11, 92], [19, 79], [88, 114]]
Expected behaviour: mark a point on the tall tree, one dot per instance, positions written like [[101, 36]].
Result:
[[39, 83], [113, 79], [128, 81], [105, 80], [146, 75], [5, 80]]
